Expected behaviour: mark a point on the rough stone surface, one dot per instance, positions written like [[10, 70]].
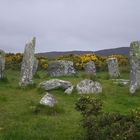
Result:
[[113, 67], [56, 84], [61, 68], [88, 86], [48, 100], [134, 66], [69, 90], [35, 66], [90, 68], [2, 63], [27, 64]]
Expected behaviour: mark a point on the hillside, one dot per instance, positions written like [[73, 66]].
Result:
[[120, 51]]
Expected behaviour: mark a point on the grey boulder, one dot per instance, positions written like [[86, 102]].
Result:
[[61, 68], [88, 86]]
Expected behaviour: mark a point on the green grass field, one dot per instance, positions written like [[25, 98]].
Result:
[[19, 122]]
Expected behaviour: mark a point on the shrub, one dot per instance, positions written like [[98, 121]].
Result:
[[89, 105], [100, 61], [107, 126], [13, 61]]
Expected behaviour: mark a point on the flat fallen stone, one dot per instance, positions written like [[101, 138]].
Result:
[[121, 81], [56, 84]]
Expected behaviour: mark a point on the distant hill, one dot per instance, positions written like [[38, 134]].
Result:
[[119, 51], [57, 54]]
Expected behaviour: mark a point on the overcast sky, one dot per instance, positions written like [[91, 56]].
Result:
[[63, 25]]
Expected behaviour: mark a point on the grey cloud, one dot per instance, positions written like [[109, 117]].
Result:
[[62, 25]]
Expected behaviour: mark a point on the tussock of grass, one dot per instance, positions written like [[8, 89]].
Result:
[[40, 90], [37, 76], [28, 87], [46, 110], [4, 80]]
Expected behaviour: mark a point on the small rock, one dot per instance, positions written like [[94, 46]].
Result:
[[69, 90], [48, 100]]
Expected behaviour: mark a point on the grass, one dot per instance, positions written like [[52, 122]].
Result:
[[19, 122]]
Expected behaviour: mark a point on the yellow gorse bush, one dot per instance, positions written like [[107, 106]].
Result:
[[79, 60], [14, 61], [100, 61]]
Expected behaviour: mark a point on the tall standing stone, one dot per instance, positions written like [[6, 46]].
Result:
[[90, 68], [35, 66], [28, 64], [134, 66], [113, 67], [2, 63]]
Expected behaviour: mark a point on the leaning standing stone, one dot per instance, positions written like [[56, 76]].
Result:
[[90, 68], [2, 63], [27, 64], [134, 66], [113, 67], [56, 84]]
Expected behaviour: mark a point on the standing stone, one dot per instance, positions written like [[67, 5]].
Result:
[[113, 67], [134, 66], [90, 68], [28, 64], [35, 66], [61, 68], [2, 63]]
